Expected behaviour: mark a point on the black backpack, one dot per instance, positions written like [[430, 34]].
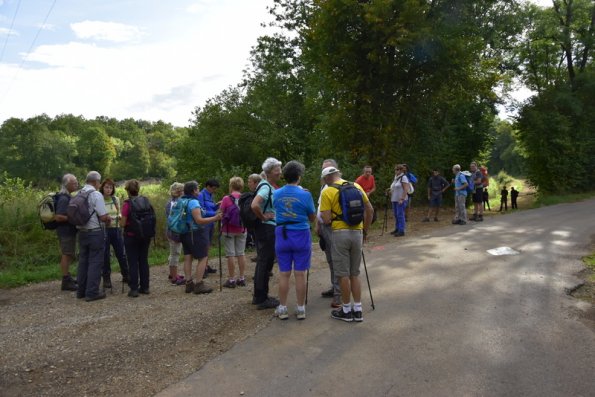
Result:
[[352, 203], [248, 217], [141, 218]]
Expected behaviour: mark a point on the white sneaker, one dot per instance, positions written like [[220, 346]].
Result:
[[300, 314], [281, 312]]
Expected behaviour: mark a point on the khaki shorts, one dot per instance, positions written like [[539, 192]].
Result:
[[234, 243], [67, 245], [347, 252]]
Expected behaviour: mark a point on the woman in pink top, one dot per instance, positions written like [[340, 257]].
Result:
[[233, 233]]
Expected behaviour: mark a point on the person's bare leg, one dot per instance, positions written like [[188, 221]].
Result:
[[283, 287], [300, 287], [65, 261], [188, 267], [345, 290], [230, 267], [356, 288], [242, 264], [200, 268]]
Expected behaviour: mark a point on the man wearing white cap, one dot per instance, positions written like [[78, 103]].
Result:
[[348, 233]]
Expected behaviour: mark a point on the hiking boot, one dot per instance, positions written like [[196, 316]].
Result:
[[189, 286], [399, 234], [133, 293], [202, 288], [97, 297], [329, 293], [281, 312], [68, 283], [462, 223], [107, 282], [240, 282], [300, 314], [426, 219], [358, 316], [269, 303], [211, 270], [230, 284], [394, 232], [339, 314], [144, 291], [480, 218]]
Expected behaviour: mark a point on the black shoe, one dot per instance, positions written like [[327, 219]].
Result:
[[107, 282], [189, 286], [144, 291], [358, 317], [68, 284], [479, 218], [399, 234], [269, 303], [339, 314], [100, 295], [133, 293], [462, 223], [394, 232], [329, 293], [211, 270]]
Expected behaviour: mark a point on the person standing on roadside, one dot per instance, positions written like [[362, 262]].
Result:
[[437, 185], [234, 233], [113, 234], [399, 196], [92, 241], [347, 245], [263, 207], [514, 194], [504, 199], [294, 210], [325, 234], [477, 177], [209, 208], [65, 231], [460, 183]]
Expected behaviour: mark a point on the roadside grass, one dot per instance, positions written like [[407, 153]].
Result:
[[590, 263], [546, 199]]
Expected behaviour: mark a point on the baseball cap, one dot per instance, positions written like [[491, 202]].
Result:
[[328, 170]]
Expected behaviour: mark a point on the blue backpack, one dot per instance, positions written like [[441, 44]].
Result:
[[352, 203], [177, 221], [470, 184]]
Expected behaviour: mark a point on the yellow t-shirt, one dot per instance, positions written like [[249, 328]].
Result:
[[329, 200]]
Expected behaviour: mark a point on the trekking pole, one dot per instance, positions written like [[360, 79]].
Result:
[[307, 280], [368, 279], [385, 222], [220, 272]]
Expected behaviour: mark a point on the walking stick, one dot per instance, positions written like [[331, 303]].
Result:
[[307, 284], [385, 222], [368, 279], [220, 272]]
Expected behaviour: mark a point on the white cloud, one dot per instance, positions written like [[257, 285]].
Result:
[[47, 26], [106, 31], [8, 32]]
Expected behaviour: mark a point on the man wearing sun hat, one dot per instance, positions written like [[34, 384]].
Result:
[[347, 243]]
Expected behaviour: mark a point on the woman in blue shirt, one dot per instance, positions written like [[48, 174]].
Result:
[[294, 209]]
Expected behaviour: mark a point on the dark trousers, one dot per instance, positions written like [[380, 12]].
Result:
[[113, 238], [88, 277], [137, 252], [265, 251], [504, 203], [513, 204]]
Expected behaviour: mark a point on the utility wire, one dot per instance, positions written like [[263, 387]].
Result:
[[47, 15], [9, 33]]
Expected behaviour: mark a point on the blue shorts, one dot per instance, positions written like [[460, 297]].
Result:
[[293, 248], [436, 201]]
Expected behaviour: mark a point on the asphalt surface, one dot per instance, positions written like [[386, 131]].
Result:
[[450, 320]]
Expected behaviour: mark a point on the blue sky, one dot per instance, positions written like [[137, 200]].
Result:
[[149, 59], [127, 58]]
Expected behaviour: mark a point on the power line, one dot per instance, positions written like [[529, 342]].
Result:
[[8, 34], [47, 15]]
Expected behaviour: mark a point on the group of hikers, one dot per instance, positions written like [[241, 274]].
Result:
[[278, 219]]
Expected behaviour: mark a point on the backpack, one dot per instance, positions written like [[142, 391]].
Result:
[[411, 188], [46, 209], [412, 178], [78, 209], [352, 203], [232, 214], [470, 184], [141, 218], [177, 221], [247, 216]]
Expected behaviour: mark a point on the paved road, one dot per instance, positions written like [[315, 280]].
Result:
[[450, 320]]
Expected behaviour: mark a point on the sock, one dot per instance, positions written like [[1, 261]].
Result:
[[281, 307], [301, 308], [357, 306], [346, 308]]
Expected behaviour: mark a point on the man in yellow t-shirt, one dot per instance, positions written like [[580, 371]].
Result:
[[347, 241]]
